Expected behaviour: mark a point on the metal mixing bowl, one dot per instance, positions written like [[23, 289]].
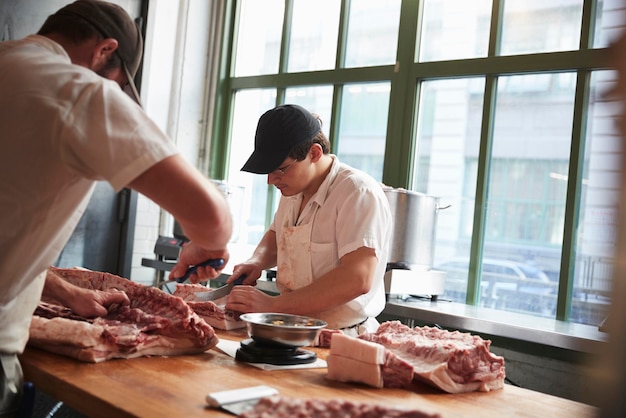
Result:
[[285, 329]]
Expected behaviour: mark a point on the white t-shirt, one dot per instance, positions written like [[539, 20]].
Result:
[[62, 127], [353, 213]]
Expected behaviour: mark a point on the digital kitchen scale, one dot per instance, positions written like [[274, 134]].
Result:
[[253, 351]]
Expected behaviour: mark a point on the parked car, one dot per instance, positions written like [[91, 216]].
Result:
[[504, 284]]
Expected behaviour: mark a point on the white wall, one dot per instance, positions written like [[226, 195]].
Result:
[[175, 85]]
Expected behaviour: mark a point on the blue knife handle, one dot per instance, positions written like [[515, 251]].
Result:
[[214, 262], [239, 280]]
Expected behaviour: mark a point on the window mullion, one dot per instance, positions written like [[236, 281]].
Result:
[[286, 37], [574, 192], [484, 162], [482, 185], [495, 31], [342, 36], [587, 28], [399, 149]]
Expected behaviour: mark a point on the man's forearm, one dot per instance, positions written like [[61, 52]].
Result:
[[58, 289], [351, 279], [265, 253]]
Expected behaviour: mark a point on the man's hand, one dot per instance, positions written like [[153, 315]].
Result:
[[84, 302], [251, 271], [91, 303], [192, 255], [249, 299]]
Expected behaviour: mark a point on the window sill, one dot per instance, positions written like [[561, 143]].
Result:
[[549, 332]]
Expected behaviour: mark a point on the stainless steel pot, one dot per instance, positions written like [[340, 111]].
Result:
[[414, 227]]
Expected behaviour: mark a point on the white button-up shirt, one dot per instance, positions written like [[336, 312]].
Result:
[[353, 212]]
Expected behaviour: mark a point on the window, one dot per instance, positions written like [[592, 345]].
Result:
[[361, 137], [495, 107]]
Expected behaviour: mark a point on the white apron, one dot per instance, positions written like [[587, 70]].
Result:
[[294, 270], [294, 253]]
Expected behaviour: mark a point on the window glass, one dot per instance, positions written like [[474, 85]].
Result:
[[527, 189], [596, 239], [249, 106], [609, 22], [534, 26], [318, 100], [363, 128], [258, 37], [314, 32], [372, 33], [454, 29], [448, 137]]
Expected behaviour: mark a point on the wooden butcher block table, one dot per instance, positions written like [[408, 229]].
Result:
[[177, 387]]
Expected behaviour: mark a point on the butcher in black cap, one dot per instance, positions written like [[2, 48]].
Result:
[[330, 235], [67, 121]]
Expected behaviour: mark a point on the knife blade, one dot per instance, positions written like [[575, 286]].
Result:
[[213, 262], [220, 292], [237, 401]]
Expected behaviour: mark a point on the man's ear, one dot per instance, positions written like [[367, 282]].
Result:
[[102, 53], [316, 152]]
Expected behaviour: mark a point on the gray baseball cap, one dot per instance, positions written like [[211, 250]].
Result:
[[112, 21]]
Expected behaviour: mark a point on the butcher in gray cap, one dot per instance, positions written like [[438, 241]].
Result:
[[112, 24], [67, 122], [329, 237]]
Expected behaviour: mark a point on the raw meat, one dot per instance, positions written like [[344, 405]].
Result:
[[187, 291], [284, 407], [155, 323], [324, 337], [452, 361], [396, 371], [212, 312], [361, 350], [346, 369], [356, 360]]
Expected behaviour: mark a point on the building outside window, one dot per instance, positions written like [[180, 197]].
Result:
[[496, 107]]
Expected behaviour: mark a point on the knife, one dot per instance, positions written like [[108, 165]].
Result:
[[213, 262], [237, 401], [220, 292]]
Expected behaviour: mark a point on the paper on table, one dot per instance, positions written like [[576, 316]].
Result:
[[229, 347]]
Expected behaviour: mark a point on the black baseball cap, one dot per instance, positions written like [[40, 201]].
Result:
[[112, 21], [279, 130]]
